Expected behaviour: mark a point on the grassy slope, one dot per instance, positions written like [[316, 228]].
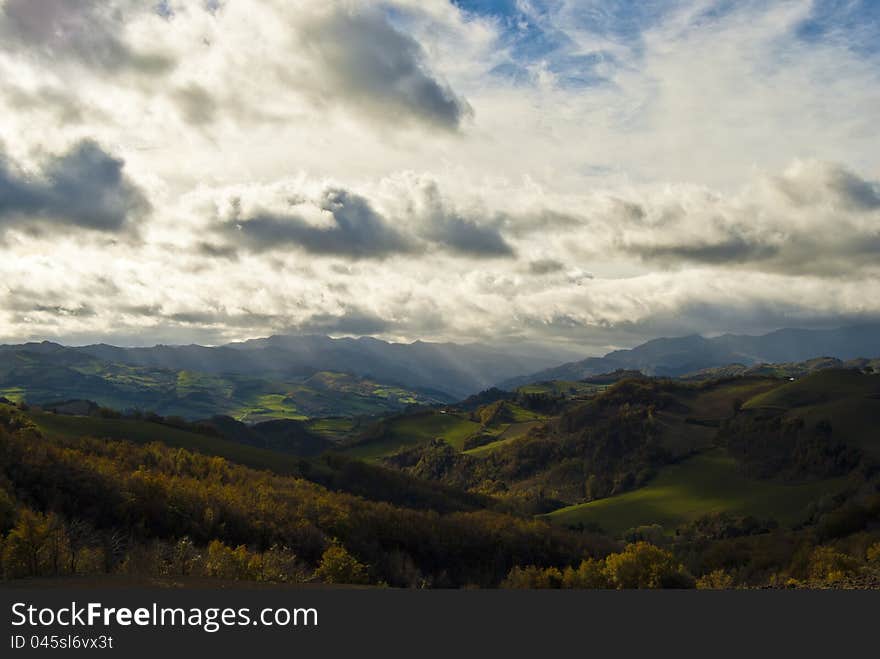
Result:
[[717, 402], [407, 431], [682, 436], [454, 428], [710, 481], [706, 483], [818, 388], [565, 387], [850, 400], [510, 433], [335, 429]]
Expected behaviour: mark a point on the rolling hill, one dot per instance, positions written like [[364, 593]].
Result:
[[740, 479], [708, 483], [42, 374]]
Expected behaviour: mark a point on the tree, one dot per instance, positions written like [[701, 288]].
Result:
[[338, 566], [7, 511], [80, 535], [26, 543]]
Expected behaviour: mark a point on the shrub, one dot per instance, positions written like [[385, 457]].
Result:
[[715, 580], [533, 577], [589, 574], [829, 565], [643, 565]]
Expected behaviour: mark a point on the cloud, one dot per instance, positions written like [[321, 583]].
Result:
[[362, 61], [64, 105], [85, 187], [734, 249], [815, 218], [196, 104], [465, 235], [349, 321], [545, 267], [356, 230], [584, 171], [812, 183], [88, 32]]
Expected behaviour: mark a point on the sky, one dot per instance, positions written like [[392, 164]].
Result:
[[586, 174]]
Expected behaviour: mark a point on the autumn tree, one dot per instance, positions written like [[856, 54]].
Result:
[[339, 566]]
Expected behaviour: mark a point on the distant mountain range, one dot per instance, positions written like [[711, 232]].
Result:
[[310, 376], [444, 371], [689, 354]]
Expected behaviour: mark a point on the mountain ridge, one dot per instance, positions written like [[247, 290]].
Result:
[[452, 370], [676, 356]]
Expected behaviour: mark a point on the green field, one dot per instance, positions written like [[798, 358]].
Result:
[[568, 388], [704, 484], [407, 431], [333, 428], [513, 432], [521, 415]]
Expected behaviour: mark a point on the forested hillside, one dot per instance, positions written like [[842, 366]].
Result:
[[616, 482]]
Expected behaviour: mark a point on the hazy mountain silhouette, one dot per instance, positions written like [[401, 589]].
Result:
[[677, 356], [450, 369]]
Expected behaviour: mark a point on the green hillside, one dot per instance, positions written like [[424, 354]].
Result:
[[847, 399], [41, 378], [404, 431], [818, 388], [707, 483], [511, 433], [494, 424]]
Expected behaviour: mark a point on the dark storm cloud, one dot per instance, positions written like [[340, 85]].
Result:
[[358, 231], [86, 187], [366, 62], [83, 31]]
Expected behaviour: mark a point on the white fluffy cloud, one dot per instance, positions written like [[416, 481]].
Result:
[[215, 171]]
